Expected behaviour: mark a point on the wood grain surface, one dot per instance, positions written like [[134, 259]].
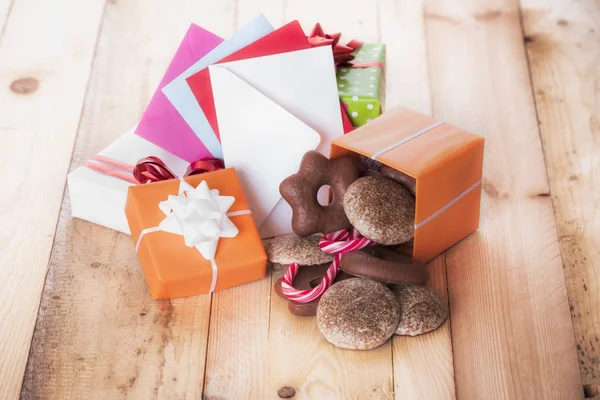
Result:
[[239, 321], [79, 82], [5, 6], [99, 333], [511, 329], [298, 356], [402, 26], [43, 74], [563, 44]]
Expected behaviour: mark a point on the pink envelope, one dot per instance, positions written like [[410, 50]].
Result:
[[161, 116]]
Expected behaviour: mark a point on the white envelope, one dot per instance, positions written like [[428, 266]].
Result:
[[180, 95], [263, 141], [100, 198], [303, 83]]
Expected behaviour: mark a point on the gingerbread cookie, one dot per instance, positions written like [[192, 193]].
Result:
[[422, 310], [407, 181], [370, 172], [381, 210], [287, 249], [307, 278], [384, 265], [300, 191], [358, 314]]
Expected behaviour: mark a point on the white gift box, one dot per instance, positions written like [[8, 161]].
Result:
[[100, 198]]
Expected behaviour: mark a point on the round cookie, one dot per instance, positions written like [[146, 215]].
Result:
[[370, 172], [300, 191], [384, 265], [422, 310], [287, 249], [407, 181], [358, 314], [381, 210]]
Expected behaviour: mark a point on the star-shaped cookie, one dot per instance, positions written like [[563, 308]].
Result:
[[300, 191]]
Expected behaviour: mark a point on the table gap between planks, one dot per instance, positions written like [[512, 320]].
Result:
[[73, 85]]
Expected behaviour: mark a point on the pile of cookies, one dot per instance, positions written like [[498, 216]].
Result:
[[379, 291], [362, 309]]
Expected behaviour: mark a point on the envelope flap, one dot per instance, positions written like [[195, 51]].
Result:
[[302, 82], [289, 37]]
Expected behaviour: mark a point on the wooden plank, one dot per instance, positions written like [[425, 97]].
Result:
[[236, 365], [5, 6], [402, 28], [42, 95], [562, 39], [298, 356], [423, 365], [99, 333], [511, 331]]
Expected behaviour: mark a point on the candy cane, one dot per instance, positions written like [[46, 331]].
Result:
[[338, 243]]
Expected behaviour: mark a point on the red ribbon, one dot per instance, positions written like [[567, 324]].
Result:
[[153, 169], [149, 169], [204, 165], [342, 53]]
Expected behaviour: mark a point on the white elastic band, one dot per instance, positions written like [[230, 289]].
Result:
[[236, 213], [447, 206], [406, 139], [215, 272], [142, 233]]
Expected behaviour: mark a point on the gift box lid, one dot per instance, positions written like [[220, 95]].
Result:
[[174, 270], [446, 163]]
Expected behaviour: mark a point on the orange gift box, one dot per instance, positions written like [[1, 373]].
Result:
[[446, 163], [174, 270]]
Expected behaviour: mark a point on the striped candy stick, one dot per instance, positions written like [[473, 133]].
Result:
[[338, 243]]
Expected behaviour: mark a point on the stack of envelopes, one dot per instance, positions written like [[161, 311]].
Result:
[[258, 100]]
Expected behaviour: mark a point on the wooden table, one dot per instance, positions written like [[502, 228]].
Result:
[[76, 318]]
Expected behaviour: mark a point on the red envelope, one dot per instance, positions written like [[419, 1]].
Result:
[[288, 38]]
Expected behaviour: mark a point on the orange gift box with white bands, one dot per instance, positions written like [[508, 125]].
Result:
[[174, 270], [446, 163]]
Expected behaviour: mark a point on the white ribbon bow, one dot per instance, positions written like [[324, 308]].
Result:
[[200, 216]]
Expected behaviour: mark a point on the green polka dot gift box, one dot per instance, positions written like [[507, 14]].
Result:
[[362, 89]]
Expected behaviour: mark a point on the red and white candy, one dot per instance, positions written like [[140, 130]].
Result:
[[339, 243]]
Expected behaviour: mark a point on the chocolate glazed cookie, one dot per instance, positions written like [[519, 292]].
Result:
[[407, 181], [300, 191], [384, 265], [308, 277]]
